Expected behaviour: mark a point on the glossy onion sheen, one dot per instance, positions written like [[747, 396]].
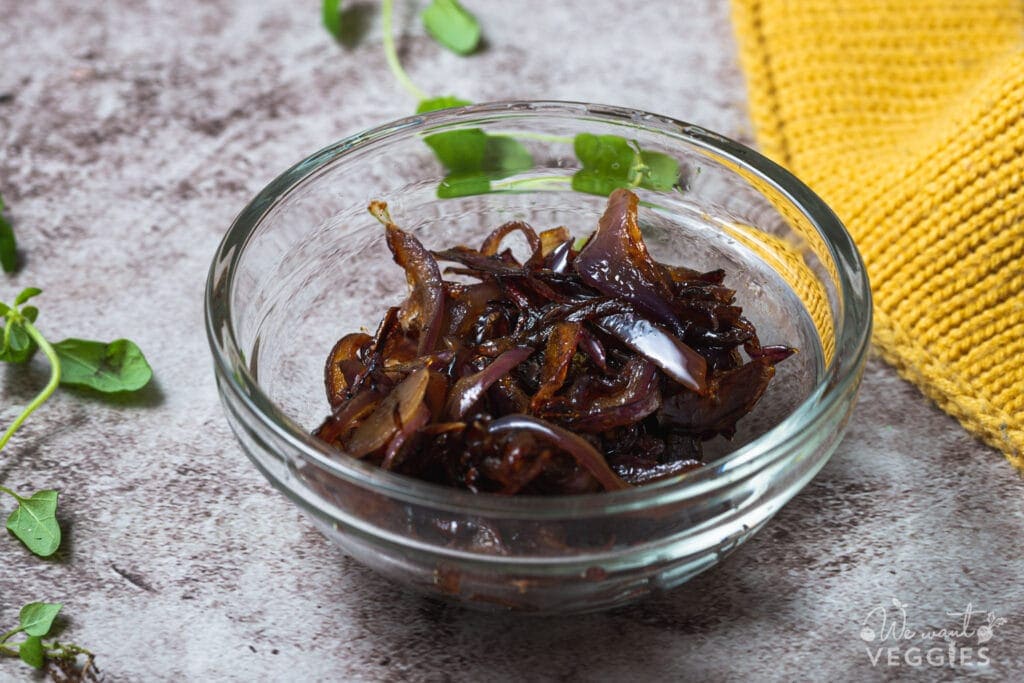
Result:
[[570, 372]]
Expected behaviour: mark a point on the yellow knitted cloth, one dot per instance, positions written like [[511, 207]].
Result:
[[907, 117]]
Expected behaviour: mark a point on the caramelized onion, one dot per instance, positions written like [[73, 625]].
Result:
[[578, 447], [343, 365], [678, 360], [468, 390], [427, 299], [615, 261], [493, 241], [590, 411], [396, 409], [567, 372]]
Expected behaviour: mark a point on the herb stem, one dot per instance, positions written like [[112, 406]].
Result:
[[7, 636], [529, 183], [54, 650], [47, 391], [4, 489], [529, 135], [391, 53], [64, 650]]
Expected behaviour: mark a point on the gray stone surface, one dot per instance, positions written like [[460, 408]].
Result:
[[131, 132]]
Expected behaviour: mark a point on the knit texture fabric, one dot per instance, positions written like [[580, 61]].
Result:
[[907, 117]]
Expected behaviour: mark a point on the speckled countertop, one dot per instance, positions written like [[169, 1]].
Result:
[[132, 131]]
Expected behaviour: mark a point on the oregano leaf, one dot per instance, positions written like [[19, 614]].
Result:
[[662, 171], [331, 15], [450, 24], [113, 367], [443, 102], [20, 340], [459, 151], [610, 162], [30, 313], [34, 522], [606, 161], [36, 618], [30, 651], [27, 294], [505, 155]]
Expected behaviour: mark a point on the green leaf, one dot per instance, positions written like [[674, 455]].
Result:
[[595, 183], [34, 521], [474, 159], [20, 340], [31, 652], [17, 345], [117, 366], [27, 294], [463, 185], [662, 171], [347, 25], [36, 618], [506, 156], [443, 102], [611, 162], [461, 151], [609, 154], [452, 26], [29, 312], [8, 245], [606, 161], [331, 15]]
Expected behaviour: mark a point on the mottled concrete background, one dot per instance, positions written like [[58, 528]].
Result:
[[132, 131]]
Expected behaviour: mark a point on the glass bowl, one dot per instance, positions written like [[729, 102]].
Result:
[[304, 263]]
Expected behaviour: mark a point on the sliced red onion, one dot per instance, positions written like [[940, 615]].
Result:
[[615, 261], [579, 448], [408, 429], [667, 351], [425, 280], [557, 356], [494, 240], [468, 390], [636, 400], [381, 425]]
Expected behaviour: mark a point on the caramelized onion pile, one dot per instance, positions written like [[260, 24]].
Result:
[[576, 371]]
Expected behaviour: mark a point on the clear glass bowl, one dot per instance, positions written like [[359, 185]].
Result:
[[304, 263]]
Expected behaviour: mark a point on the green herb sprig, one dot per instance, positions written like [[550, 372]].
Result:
[[35, 621], [471, 157], [118, 366], [474, 158]]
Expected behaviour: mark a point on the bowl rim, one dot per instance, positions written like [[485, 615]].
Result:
[[852, 335]]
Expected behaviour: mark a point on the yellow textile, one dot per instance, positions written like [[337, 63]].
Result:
[[907, 117]]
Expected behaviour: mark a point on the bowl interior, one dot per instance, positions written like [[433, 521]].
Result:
[[316, 266]]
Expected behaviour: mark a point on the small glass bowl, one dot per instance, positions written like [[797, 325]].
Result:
[[304, 263]]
